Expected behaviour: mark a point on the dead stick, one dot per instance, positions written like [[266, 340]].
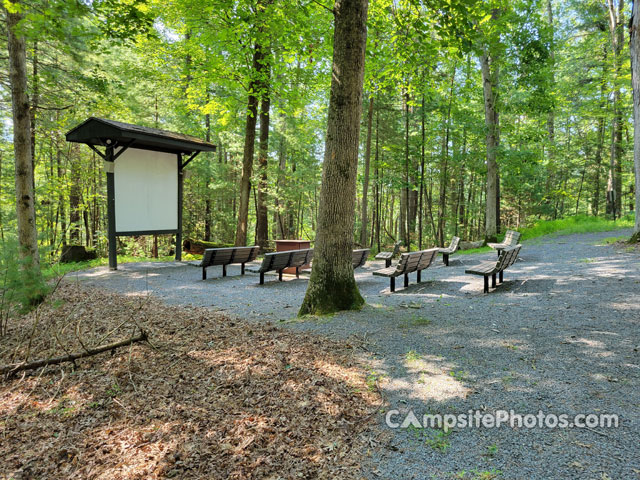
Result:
[[11, 369]]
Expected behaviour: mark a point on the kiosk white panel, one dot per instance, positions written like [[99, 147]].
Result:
[[146, 191]]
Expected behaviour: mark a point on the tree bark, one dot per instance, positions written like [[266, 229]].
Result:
[[492, 124], [74, 200], [634, 26], [332, 285], [249, 147], [614, 186], [207, 179], [24, 179], [365, 181], [262, 220]]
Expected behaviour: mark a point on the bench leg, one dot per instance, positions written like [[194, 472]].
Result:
[[280, 275], [224, 270], [419, 279], [486, 284], [501, 276], [493, 281], [297, 272], [387, 262], [445, 259], [204, 273], [392, 284], [261, 278], [242, 269]]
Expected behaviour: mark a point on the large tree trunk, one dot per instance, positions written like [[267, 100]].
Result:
[[365, 181], [635, 81], [614, 186], [249, 146], [262, 220], [207, 201], [332, 285], [492, 124], [25, 204]]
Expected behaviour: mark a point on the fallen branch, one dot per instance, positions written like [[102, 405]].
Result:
[[18, 367]]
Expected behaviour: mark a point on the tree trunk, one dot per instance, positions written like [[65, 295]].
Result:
[[595, 201], [249, 146], [492, 124], [365, 181], [35, 101], [262, 220], [378, 181], [421, 194], [332, 285], [614, 186], [207, 193], [279, 218], [634, 26], [25, 203], [551, 135], [74, 201]]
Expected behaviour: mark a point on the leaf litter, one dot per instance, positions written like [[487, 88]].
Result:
[[209, 397]]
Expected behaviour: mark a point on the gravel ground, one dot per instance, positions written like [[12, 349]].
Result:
[[561, 335]]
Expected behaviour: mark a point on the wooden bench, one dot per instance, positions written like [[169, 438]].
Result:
[[227, 256], [278, 261], [359, 257], [506, 258], [409, 263], [450, 250], [511, 239], [387, 256]]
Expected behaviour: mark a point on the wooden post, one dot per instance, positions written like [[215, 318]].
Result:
[[179, 232], [111, 208]]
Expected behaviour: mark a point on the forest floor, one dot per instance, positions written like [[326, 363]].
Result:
[[561, 336], [208, 397]]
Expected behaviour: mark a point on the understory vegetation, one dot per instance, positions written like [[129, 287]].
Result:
[[559, 71]]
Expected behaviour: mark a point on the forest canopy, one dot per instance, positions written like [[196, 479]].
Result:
[[476, 116]]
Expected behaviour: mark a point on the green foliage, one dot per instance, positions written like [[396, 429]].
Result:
[[577, 224], [22, 287]]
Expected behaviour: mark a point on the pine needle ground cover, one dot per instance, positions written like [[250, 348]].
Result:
[[210, 397]]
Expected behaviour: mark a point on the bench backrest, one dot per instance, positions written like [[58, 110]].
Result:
[[427, 258], [511, 237], [455, 241], [508, 257], [226, 256], [281, 260], [359, 257], [408, 262], [301, 257]]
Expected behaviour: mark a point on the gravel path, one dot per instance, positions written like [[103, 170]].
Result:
[[561, 335]]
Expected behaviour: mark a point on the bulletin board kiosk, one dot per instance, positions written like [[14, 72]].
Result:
[[145, 170]]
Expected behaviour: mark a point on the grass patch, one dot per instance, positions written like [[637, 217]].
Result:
[[479, 474], [475, 250], [568, 226], [412, 356], [577, 224]]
